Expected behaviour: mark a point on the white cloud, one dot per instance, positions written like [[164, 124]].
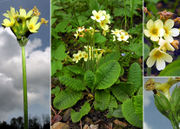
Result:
[[38, 74], [146, 126], [147, 98]]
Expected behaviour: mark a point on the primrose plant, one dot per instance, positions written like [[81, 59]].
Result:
[[23, 24], [161, 33], [94, 72], [167, 103]]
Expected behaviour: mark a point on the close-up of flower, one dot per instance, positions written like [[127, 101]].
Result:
[[165, 45], [154, 29], [120, 35], [32, 25], [159, 57], [170, 32], [24, 15], [98, 16]]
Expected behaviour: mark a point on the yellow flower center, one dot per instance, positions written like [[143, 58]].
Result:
[[158, 54], [97, 17], [31, 26], [154, 31]]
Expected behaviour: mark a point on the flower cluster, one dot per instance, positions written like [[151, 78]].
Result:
[[163, 33], [120, 35], [164, 88], [80, 32], [23, 23], [102, 18], [88, 54]]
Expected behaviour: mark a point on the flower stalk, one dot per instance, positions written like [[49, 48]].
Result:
[[25, 98]]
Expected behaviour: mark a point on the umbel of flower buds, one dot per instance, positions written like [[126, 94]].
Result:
[[23, 23]]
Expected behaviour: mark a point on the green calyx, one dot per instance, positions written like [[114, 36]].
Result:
[[23, 41]]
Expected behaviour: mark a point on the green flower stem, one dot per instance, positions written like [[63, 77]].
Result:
[[173, 120], [25, 89], [149, 71]]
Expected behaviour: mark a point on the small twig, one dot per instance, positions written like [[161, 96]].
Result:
[[59, 112], [97, 122], [80, 124], [53, 110]]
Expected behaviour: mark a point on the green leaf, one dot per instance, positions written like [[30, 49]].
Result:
[[162, 104], [102, 99], [129, 112], [107, 74], [55, 65], [76, 116], [135, 77], [146, 51], [75, 69], [117, 113], [121, 12], [66, 99], [53, 20], [120, 92], [99, 38], [171, 69], [109, 57], [175, 99], [55, 90], [93, 5], [113, 103], [74, 84], [138, 104], [89, 79], [61, 27], [59, 53]]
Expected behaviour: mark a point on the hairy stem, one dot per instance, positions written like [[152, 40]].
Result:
[[25, 89]]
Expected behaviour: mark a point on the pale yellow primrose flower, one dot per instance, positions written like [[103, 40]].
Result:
[[79, 32], [165, 45], [154, 29], [97, 16], [123, 37], [80, 54], [76, 58], [11, 13], [170, 32], [23, 15], [32, 24], [104, 25], [8, 23], [107, 16], [160, 57], [85, 56]]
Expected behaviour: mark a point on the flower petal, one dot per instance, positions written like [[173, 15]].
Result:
[[161, 32], [160, 64], [169, 38], [158, 23], [168, 58], [150, 61], [169, 23], [146, 32], [94, 12], [154, 38], [174, 32], [149, 24]]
